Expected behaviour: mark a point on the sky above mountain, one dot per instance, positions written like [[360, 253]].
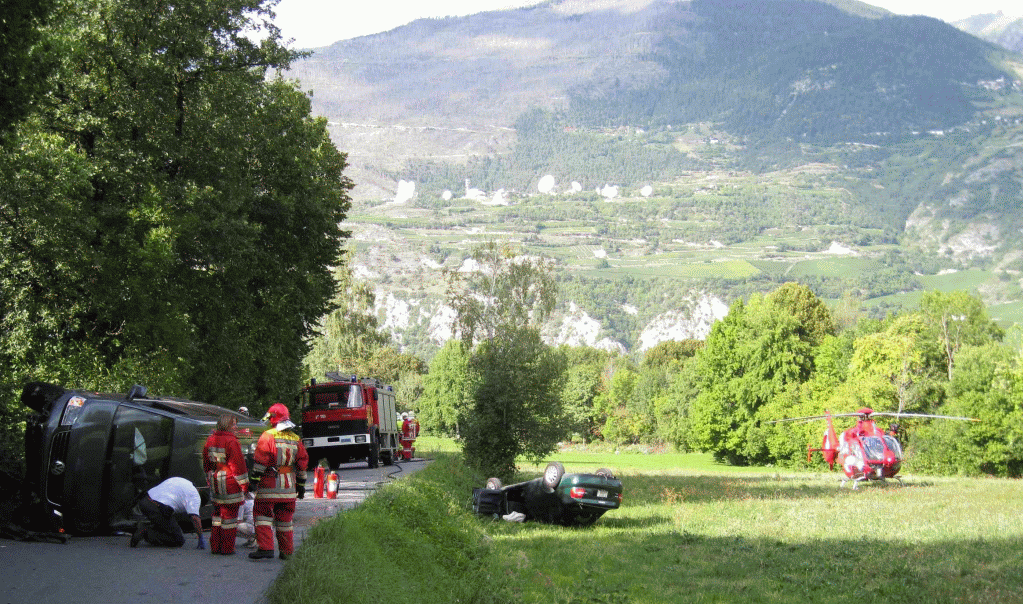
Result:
[[313, 23]]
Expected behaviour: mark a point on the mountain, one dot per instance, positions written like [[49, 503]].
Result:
[[997, 28], [672, 156]]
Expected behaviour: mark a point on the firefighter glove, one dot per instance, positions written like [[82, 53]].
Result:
[[300, 489], [254, 479]]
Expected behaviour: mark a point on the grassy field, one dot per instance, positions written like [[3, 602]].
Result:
[[689, 530]]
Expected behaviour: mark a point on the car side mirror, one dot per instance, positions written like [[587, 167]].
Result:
[[136, 391]]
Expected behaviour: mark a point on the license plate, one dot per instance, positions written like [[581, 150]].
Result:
[[601, 494]]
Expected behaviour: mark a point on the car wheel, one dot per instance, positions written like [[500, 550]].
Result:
[[605, 472], [494, 483], [552, 475]]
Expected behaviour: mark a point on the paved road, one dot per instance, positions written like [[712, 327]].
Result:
[[105, 570]]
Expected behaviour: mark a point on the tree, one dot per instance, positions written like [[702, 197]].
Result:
[[621, 423], [446, 393], [885, 366], [986, 386], [173, 212], [500, 290], [25, 62], [515, 409], [409, 391], [389, 365], [580, 385], [500, 307], [671, 353], [958, 319], [347, 337], [751, 356]]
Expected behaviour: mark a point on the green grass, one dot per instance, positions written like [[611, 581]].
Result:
[[689, 530]]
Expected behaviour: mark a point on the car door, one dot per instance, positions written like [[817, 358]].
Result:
[[139, 459]]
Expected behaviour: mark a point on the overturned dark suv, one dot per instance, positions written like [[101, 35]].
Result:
[[89, 456]]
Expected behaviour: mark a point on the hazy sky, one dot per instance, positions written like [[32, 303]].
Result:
[[320, 22]]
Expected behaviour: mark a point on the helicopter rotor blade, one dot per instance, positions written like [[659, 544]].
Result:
[[883, 413], [812, 417], [925, 415]]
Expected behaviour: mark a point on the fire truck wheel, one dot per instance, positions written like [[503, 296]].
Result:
[[552, 475], [494, 483], [374, 451]]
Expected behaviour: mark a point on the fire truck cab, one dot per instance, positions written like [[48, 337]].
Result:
[[347, 418]]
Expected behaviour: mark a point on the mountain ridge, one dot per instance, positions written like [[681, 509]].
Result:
[[902, 117]]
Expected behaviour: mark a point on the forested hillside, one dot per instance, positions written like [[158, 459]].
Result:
[[685, 149]]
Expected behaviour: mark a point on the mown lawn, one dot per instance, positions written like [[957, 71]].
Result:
[[690, 530]]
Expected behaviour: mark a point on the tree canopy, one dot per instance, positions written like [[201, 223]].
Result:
[[171, 206]]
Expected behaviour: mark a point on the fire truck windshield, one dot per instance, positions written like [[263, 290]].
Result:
[[349, 396]]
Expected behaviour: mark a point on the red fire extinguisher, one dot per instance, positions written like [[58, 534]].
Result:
[[332, 486], [318, 482]]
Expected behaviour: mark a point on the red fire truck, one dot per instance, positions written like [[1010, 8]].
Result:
[[349, 418]]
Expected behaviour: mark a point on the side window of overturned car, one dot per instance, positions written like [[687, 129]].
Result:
[[141, 452]]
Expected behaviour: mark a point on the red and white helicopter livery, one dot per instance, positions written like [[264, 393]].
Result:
[[864, 451]]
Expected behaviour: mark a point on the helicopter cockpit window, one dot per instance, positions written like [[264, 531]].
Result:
[[873, 447], [894, 446]]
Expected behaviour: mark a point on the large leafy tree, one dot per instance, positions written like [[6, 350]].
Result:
[[758, 351], [348, 338], [174, 209], [581, 384], [515, 409], [24, 58], [446, 393], [501, 302], [986, 385], [957, 319]]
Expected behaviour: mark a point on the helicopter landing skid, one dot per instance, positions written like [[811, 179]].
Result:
[[856, 481]]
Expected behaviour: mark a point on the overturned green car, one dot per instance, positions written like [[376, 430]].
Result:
[[553, 498]]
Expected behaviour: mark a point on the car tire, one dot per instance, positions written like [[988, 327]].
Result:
[[605, 472], [552, 475], [494, 483]]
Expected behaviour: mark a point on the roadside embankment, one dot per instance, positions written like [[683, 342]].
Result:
[[415, 536]]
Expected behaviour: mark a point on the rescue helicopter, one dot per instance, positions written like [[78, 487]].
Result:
[[865, 451]]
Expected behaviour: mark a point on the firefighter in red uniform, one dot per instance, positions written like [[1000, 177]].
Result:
[[224, 465], [409, 434], [278, 475]]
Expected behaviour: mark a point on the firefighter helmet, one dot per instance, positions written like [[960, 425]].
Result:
[[276, 414]]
